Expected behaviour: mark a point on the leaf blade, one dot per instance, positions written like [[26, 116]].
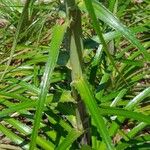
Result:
[[58, 34], [88, 98]]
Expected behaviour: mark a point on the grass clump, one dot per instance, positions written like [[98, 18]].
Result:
[[74, 75]]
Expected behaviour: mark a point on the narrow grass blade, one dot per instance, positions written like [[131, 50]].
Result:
[[136, 129], [130, 106], [138, 144], [25, 85], [104, 80], [82, 87], [71, 137], [15, 138], [54, 119], [9, 147], [112, 35], [90, 8], [138, 99], [58, 34], [111, 5], [44, 144], [15, 96], [19, 27], [97, 56], [16, 108], [22, 128], [124, 113], [118, 97], [105, 15], [130, 135]]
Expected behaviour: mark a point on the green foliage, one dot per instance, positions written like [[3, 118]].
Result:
[[74, 75]]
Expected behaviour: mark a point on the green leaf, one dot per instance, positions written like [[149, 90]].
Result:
[[25, 85], [15, 138], [22, 128], [14, 95], [136, 129], [138, 99], [17, 108], [91, 11], [16, 37], [124, 113], [141, 139], [118, 97], [130, 107], [86, 147], [71, 137], [87, 96], [105, 15], [58, 34]]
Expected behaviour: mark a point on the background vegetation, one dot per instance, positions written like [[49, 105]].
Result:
[[74, 75]]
